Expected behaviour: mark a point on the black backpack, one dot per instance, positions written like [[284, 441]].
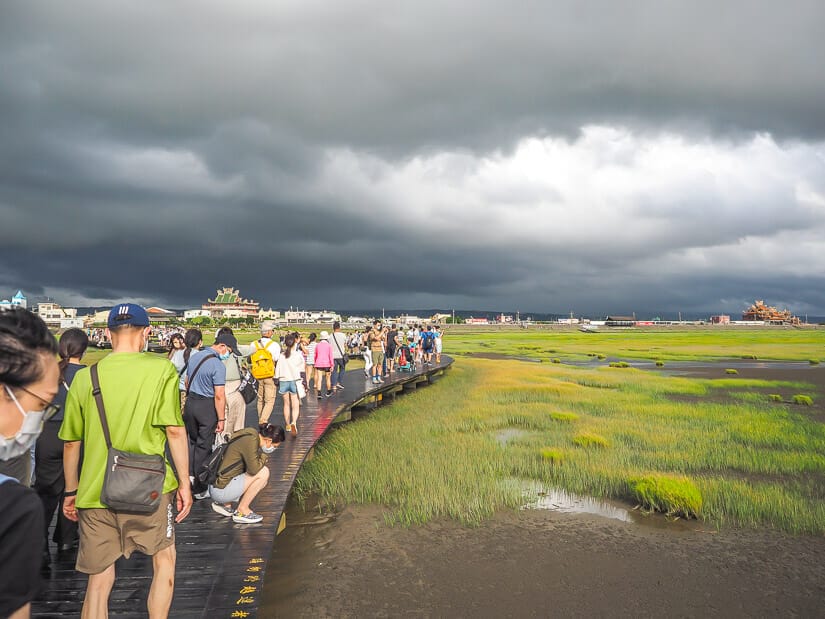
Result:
[[211, 468]]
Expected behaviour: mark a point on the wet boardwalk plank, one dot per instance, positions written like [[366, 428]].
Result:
[[221, 565]]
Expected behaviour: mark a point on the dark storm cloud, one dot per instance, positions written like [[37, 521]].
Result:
[[355, 154]]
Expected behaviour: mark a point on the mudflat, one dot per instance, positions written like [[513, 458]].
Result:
[[536, 563]]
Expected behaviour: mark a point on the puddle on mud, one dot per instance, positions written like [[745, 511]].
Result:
[[503, 437], [567, 503]]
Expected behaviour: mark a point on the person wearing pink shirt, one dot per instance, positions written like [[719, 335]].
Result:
[[323, 364]]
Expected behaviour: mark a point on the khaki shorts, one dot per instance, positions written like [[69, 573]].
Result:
[[105, 534], [377, 357]]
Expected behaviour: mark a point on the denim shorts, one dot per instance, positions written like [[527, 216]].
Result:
[[232, 492], [288, 386]]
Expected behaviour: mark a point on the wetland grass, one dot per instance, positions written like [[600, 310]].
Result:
[[437, 452]]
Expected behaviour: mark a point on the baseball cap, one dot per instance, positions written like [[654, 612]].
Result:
[[127, 314], [229, 340]]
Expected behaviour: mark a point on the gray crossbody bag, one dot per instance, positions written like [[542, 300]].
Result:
[[132, 482]]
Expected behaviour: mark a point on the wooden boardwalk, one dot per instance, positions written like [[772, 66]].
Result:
[[221, 565]]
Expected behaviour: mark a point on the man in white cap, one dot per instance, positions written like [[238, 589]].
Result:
[[266, 384]]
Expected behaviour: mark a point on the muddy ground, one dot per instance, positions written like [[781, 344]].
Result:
[[538, 563]]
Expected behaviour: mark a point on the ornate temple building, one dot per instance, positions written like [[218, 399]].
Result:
[[766, 313], [228, 303]]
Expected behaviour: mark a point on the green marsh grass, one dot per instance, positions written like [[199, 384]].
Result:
[[731, 371], [670, 494], [804, 400], [434, 453], [662, 343]]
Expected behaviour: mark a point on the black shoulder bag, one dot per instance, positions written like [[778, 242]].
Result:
[[132, 482]]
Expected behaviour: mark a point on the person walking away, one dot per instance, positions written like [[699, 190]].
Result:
[[28, 385], [288, 372], [266, 381], [427, 345], [48, 458], [392, 347], [323, 365], [193, 340], [310, 359], [366, 352], [235, 405], [206, 403], [439, 333], [339, 360], [375, 342], [140, 392], [243, 472]]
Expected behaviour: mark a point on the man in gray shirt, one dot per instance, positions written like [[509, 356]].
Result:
[[339, 346]]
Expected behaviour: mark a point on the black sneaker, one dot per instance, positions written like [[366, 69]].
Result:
[[320, 395], [329, 393]]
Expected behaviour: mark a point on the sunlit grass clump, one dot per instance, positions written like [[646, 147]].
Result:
[[804, 400], [774, 397], [732, 371], [590, 439], [552, 455], [813, 361], [672, 495], [619, 364], [564, 416]]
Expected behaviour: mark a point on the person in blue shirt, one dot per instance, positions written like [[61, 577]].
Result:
[[205, 411], [427, 345]]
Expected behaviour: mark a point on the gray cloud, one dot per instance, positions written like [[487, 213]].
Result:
[[531, 155]]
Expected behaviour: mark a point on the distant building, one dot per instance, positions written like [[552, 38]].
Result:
[[228, 303], [269, 314], [52, 313], [722, 319], [766, 313], [160, 315], [18, 300], [476, 321], [310, 316], [620, 321], [196, 313], [504, 319]]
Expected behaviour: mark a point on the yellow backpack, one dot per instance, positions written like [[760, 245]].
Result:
[[261, 363]]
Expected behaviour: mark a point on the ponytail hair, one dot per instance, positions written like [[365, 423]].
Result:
[[289, 344], [191, 338], [73, 344]]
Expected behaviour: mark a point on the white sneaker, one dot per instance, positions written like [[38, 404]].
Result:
[[202, 495], [222, 509], [250, 518]]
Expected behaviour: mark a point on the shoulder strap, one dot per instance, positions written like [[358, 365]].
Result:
[[101, 409], [198, 367], [337, 345], [258, 345]]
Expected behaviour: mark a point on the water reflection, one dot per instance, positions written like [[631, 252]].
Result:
[[568, 503]]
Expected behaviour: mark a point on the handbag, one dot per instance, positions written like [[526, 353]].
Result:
[[249, 387], [302, 392], [132, 482]]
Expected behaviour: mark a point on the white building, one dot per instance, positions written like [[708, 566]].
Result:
[[269, 314], [18, 300], [196, 313], [52, 313]]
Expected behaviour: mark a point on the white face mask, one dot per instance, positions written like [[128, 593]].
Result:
[[268, 450], [26, 436]]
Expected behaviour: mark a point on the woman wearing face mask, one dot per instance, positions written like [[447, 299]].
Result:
[[243, 472], [48, 460], [28, 384]]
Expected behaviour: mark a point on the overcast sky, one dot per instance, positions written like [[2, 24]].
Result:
[[535, 156]]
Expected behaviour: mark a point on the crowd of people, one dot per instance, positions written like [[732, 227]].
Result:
[[184, 409]]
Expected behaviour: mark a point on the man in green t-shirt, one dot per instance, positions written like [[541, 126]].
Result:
[[140, 393]]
